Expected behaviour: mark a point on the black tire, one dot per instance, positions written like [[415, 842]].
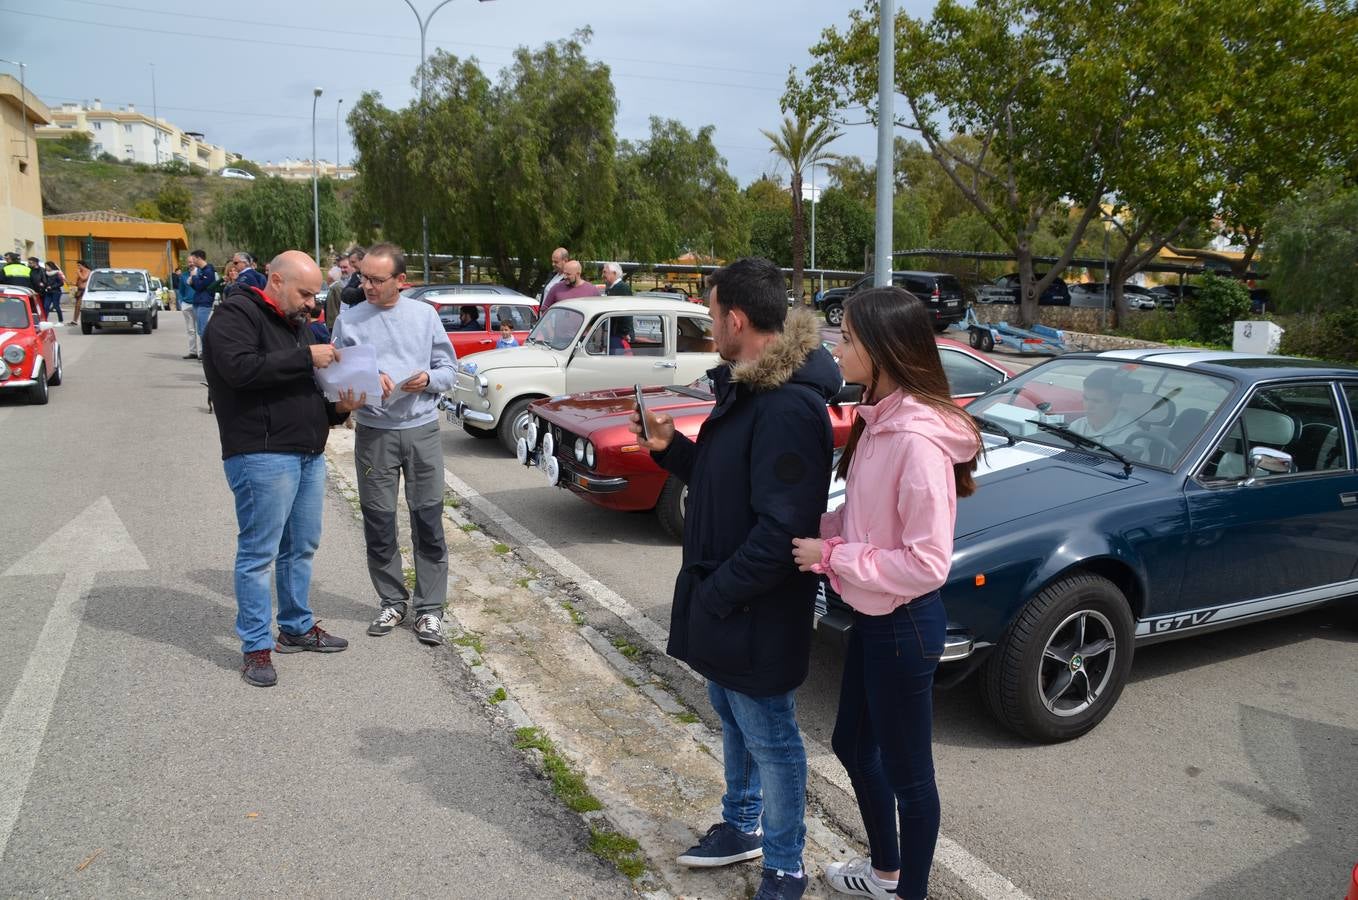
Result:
[[974, 338], [513, 422], [155, 321], [940, 327], [86, 328], [475, 432], [147, 326], [1020, 676], [55, 380], [669, 509], [987, 342], [37, 394], [834, 314]]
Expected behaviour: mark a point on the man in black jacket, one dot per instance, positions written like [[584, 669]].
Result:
[[757, 476], [273, 421]]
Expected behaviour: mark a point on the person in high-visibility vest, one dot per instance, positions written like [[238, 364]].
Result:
[[18, 273]]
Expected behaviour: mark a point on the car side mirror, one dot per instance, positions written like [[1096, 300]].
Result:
[[46, 326], [1265, 461]]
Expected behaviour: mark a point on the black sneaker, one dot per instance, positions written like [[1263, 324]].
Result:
[[316, 639], [190, 356], [777, 885], [429, 629], [723, 845], [258, 669], [386, 620]]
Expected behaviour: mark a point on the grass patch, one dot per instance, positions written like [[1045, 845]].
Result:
[[628, 650], [706, 749], [499, 696], [452, 502], [470, 639], [576, 616], [623, 852], [522, 582], [501, 548], [629, 682], [469, 527], [687, 717], [408, 576], [567, 783]]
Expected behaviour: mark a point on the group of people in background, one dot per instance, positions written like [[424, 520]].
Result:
[[46, 279]]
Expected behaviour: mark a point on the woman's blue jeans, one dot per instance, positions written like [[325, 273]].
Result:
[[279, 499], [884, 735], [765, 771]]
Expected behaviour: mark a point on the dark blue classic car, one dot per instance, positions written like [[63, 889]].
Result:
[[1136, 496]]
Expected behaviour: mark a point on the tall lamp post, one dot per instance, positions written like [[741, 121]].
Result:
[[338, 104], [814, 197], [424, 29], [886, 123], [315, 191]]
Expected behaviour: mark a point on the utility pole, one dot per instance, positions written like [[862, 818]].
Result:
[[338, 103], [315, 191], [886, 122]]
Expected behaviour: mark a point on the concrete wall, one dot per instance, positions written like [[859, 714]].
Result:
[[21, 191]]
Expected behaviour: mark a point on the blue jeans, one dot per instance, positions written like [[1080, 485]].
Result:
[[884, 734], [52, 303], [279, 498], [765, 771], [200, 315]]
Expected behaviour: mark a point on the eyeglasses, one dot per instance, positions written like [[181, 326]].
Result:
[[375, 282]]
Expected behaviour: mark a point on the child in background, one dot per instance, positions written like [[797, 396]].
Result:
[[506, 336]]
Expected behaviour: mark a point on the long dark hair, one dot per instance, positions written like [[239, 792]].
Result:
[[897, 333]]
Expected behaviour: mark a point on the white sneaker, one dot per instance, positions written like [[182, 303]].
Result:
[[855, 877]]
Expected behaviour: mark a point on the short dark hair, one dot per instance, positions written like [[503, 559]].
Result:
[[391, 252], [199, 253], [755, 286], [85, 263], [357, 254]]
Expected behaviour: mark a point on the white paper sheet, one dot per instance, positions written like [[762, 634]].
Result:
[[356, 368]]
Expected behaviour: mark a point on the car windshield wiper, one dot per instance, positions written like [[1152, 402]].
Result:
[[995, 428], [1080, 440]]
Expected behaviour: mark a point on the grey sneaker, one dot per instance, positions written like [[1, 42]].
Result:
[[429, 629], [386, 620]]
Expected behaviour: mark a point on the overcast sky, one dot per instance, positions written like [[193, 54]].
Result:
[[245, 80]]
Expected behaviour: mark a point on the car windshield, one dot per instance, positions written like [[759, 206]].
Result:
[[12, 313], [558, 328], [1150, 414], [117, 281]]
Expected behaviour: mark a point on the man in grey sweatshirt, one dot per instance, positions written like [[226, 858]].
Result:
[[399, 435]]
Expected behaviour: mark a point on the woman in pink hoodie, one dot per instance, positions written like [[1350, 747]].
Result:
[[887, 551]]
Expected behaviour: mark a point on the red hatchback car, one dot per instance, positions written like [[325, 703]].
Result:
[[593, 453], [472, 313], [30, 357]]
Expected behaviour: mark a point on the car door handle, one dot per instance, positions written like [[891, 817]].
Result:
[[487, 342], [666, 365], [1349, 499]]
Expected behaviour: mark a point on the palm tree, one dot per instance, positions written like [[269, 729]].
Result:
[[800, 144]]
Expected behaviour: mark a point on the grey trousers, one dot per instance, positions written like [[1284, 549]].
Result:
[[382, 456]]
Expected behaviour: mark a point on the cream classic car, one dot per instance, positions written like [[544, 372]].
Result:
[[585, 344]]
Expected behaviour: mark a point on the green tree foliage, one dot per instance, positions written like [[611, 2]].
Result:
[[1220, 302], [800, 143], [75, 145], [245, 165], [273, 215], [1312, 249], [844, 228], [770, 225], [146, 209], [174, 203]]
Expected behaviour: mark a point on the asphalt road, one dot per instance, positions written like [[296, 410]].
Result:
[[133, 759], [1227, 770]]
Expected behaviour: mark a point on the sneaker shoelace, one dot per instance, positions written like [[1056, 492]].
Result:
[[258, 658], [388, 616], [427, 623]]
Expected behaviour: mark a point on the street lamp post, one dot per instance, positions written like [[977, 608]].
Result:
[[338, 103], [424, 28], [315, 191], [886, 122]]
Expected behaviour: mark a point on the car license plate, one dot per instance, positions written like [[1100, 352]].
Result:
[[115, 318], [950, 302]]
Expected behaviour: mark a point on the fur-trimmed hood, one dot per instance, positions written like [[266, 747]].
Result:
[[795, 355]]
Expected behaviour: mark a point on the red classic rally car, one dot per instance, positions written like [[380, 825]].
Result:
[[582, 442], [30, 357]]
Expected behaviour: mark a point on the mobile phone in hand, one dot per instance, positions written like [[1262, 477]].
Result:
[[641, 408]]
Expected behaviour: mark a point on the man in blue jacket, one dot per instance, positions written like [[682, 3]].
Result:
[[201, 278], [184, 292], [758, 474]]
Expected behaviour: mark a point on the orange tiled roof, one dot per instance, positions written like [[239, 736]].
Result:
[[97, 215]]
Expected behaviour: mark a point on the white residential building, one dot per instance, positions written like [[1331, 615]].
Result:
[[130, 135], [299, 169]]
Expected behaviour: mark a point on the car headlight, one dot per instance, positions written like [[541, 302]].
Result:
[[579, 450], [589, 454], [14, 354], [482, 385], [4, 371], [89, 302]]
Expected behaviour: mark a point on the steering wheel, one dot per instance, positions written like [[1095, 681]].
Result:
[[1167, 450]]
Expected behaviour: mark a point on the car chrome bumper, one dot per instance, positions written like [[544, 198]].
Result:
[[567, 474], [18, 383], [458, 412]]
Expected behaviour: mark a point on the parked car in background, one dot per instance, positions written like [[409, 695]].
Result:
[[489, 304], [30, 355], [1006, 288], [1222, 491], [1169, 296], [940, 292], [597, 457], [1091, 294], [584, 344], [230, 172], [119, 298]]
